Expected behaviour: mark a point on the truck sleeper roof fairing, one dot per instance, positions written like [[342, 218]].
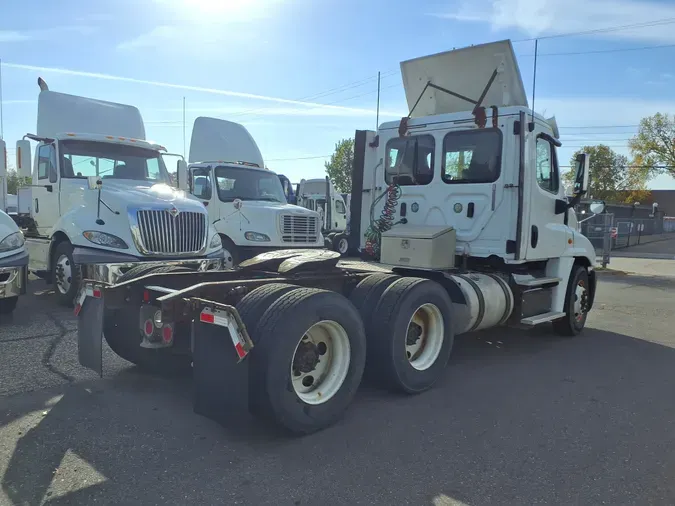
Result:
[[60, 112], [218, 139], [464, 73]]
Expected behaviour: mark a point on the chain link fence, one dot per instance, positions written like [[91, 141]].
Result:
[[608, 232]]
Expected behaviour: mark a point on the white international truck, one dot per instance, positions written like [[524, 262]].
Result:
[[100, 201], [462, 216], [13, 255], [245, 201]]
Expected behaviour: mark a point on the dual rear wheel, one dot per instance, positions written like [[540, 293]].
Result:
[[311, 347]]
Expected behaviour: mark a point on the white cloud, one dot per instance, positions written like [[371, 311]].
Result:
[[199, 89], [537, 18], [46, 34], [14, 36]]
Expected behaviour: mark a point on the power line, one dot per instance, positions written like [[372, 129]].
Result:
[[598, 51], [658, 22]]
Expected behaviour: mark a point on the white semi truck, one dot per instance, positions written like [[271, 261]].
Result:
[[100, 201], [13, 255], [462, 216], [320, 195], [245, 201]]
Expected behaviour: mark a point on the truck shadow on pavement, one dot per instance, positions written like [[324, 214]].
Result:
[[518, 418]]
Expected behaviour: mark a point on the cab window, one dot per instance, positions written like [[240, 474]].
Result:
[[340, 207], [472, 156], [547, 166], [410, 160], [47, 162], [200, 183]]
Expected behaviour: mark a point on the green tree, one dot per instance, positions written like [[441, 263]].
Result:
[[14, 182], [653, 148], [611, 176], [339, 168]]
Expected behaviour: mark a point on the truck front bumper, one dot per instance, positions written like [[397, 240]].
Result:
[[13, 275], [107, 266]]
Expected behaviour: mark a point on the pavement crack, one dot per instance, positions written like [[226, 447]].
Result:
[[28, 338], [47, 357]]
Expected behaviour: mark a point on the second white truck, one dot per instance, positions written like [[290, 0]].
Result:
[[245, 201]]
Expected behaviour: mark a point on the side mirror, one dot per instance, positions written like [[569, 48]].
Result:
[[23, 159], [3, 158], [597, 207], [581, 174], [182, 175]]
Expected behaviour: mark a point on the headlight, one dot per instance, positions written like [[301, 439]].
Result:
[[103, 239], [215, 242], [256, 236], [12, 241]]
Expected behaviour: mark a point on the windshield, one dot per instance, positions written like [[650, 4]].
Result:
[[248, 184], [81, 159]]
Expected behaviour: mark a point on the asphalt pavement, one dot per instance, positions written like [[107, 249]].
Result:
[[520, 418]]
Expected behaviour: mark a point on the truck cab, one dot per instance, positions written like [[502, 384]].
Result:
[[102, 201], [245, 201], [485, 168]]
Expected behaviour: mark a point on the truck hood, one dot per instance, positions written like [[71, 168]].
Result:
[[258, 205], [137, 193]]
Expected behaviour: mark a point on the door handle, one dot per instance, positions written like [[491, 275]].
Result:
[[37, 206]]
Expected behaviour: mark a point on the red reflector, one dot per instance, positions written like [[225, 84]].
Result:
[[77, 309], [207, 318], [146, 296], [149, 327], [96, 293], [240, 350], [167, 334]]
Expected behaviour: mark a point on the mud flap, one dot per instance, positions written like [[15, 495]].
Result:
[[90, 334], [220, 371]]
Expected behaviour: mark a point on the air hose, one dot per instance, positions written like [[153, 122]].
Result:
[[385, 222]]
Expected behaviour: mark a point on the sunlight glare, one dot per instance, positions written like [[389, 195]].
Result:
[[219, 10]]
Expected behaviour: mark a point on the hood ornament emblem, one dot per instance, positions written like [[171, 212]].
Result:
[[173, 211]]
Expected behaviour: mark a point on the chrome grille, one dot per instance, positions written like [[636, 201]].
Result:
[[297, 229], [162, 233]]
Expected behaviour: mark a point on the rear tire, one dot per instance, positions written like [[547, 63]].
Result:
[[411, 335], [574, 321], [367, 295], [66, 275], [8, 305], [292, 385], [254, 304]]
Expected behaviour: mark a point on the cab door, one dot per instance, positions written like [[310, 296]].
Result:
[[546, 231], [46, 210], [201, 186]]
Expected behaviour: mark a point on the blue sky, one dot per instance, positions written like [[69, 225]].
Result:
[[220, 52]]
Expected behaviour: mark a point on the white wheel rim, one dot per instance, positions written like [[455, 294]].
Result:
[[64, 274], [317, 377], [578, 298], [342, 246], [227, 261], [425, 336]]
